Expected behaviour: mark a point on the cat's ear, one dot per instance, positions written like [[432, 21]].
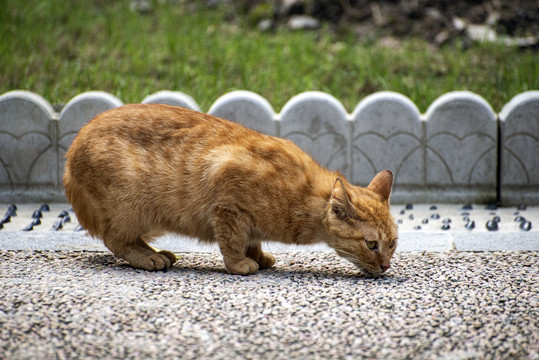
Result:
[[339, 191], [382, 183], [339, 200]]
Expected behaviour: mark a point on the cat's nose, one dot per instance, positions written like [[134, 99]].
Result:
[[384, 267]]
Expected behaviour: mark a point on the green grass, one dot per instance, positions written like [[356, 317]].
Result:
[[61, 48]]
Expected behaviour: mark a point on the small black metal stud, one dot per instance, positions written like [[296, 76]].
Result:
[[497, 219], [465, 218], [399, 221], [37, 214], [525, 226], [57, 225], [417, 227], [467, 207], [520, 219], [446, 226], [425, 221], [12, 210], [63, 214], [402, 212], [446, 221], [66, 219], [36, 222], [45, 208], [28, 228], [464, 213], [522, 207], [491, 207], [409, 206], [79, 228], [435, 216], [6, 219], [434, 207], [411, 217], [492, 225], [470, 225]]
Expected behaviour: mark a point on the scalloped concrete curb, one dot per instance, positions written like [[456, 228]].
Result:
[[460, 150]]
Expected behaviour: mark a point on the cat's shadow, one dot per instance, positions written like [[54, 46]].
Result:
[[278, 273], [338, 272]]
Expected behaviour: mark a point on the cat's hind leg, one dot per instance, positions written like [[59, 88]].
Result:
[[263, 259], [139, 254]]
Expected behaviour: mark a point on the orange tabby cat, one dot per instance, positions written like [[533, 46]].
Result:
[[138, 171]]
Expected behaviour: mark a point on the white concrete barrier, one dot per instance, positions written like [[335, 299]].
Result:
[[519, 168], [28, 146], [175, 98], [318, 123], [388, 134], [460, 150], [248, 109]]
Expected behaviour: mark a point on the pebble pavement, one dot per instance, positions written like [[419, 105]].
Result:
[[62, 295], [456, 305]]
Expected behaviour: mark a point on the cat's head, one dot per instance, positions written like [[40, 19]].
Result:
[[359, 224]]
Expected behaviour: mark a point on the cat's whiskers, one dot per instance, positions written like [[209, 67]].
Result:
[[341, 250]]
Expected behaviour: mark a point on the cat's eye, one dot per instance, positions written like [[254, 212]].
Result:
[[371, 244], [393, 243]]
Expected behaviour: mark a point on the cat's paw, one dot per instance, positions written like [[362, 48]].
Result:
[[243, 267], [169, 255], [265, 261], [158, 261]]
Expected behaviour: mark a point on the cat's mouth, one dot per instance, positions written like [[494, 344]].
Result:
[[363, 268]]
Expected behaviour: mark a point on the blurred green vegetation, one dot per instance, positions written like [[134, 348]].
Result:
[[61, 48]]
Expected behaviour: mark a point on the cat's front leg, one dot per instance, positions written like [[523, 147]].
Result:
[[230, 231]]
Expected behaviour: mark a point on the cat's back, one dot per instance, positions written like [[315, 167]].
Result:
[[139, 135], [146, 125], [141, 140]]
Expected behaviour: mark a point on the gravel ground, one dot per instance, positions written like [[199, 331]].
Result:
[[69, 304]]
